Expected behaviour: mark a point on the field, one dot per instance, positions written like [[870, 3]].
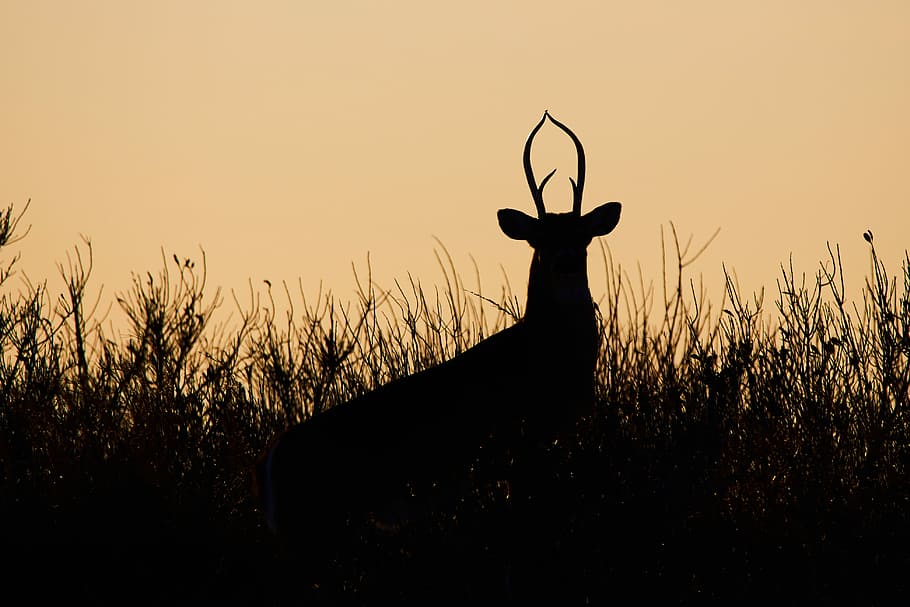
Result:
[[740, 451]]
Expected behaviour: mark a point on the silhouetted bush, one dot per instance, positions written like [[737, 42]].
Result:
[[734, 454]]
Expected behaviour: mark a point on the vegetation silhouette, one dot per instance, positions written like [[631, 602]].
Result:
[[737, 452]]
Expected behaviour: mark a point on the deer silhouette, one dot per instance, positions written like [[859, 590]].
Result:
[[534, 380]]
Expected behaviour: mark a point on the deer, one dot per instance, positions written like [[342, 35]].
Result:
[[533, 381]]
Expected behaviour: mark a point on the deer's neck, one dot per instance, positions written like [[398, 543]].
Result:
[[559, 305], [562, 345]]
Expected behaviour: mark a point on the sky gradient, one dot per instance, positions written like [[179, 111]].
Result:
[[289, 139]]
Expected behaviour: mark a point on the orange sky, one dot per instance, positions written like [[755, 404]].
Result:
[[288, 139]]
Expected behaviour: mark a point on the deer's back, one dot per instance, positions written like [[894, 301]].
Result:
[[428, 427]]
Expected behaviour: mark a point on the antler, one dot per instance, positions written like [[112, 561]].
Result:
[[537, 190], [579, 186]]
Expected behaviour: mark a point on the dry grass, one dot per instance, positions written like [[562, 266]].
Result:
[[742, 453]]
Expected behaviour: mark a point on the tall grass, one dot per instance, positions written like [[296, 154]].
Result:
[[736, 451]]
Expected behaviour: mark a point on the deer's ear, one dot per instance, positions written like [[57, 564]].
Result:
[[517, 225], [602, 220]]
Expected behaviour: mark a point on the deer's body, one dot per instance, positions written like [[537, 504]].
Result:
[[529, 382]]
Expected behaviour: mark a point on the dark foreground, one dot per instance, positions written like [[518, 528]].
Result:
[[600, 530]]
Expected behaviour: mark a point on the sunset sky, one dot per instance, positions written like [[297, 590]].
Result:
[[289, 139]]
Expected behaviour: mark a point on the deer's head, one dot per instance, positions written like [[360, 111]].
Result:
[[559, 276]]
